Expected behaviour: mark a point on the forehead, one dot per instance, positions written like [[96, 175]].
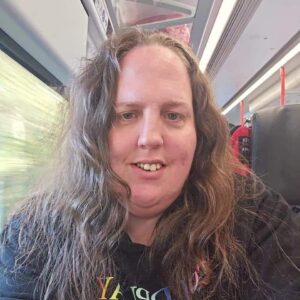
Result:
[[152, 57], [153, 71]]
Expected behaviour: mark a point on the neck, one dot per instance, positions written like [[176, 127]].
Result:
[[140, 230]]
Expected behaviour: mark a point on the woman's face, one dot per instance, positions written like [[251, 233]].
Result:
[[153, 139]]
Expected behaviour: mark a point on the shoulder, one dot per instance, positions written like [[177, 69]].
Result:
[[17, 275], [270, 232], [266, 214]]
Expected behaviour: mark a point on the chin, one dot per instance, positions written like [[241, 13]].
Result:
[[145, 199], [148, 205]]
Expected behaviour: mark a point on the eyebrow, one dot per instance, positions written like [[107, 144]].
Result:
[[169, 104], [176, 104]]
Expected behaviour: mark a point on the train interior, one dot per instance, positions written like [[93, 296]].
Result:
[[249, 49]]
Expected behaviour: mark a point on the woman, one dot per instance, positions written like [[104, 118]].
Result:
[[145, 201]]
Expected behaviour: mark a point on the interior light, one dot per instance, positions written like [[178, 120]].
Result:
[[293, 52], [218, 28]]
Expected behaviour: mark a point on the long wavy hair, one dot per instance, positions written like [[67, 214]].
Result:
[[74, 221]]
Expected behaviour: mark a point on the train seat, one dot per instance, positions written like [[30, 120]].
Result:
[[276, 150]]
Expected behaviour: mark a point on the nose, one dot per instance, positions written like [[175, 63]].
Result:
[[150, 135]]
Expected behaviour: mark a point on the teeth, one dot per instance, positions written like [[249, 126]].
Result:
[[153, 167], [149, 167]]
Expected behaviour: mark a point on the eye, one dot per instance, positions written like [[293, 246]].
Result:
[[173, 116], [127, 115]]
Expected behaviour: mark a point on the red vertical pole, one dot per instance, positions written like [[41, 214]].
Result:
[[282, 80], [242, 108]]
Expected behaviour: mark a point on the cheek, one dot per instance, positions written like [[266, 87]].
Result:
[[121, 146], [187, 159], [184, 151], [115, 144]]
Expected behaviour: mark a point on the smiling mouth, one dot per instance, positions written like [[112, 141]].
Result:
[[149, 167]]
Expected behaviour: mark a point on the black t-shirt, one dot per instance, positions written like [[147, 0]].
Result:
[[138, 279], [271, 238]]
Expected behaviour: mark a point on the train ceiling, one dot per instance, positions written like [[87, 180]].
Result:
[[56, 33]]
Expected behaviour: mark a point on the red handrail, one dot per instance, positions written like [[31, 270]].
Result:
[[242, 112], [282, 90]]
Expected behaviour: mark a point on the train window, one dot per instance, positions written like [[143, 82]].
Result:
[[30, 113]]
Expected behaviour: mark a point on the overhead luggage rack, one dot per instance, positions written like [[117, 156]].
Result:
[[189, 15], [151, 14]]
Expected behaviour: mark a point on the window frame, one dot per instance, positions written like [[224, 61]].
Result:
[[20, 55]]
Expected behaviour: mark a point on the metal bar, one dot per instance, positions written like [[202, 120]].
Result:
[[200, 20], [92, 13], [112, 15], [177, 6], [166, 23], [209, 26]]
